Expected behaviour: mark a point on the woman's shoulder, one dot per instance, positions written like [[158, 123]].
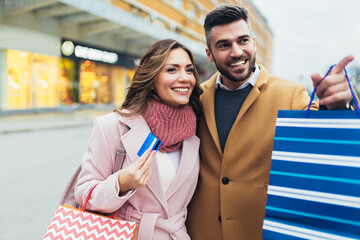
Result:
[[108, 118], [115, 118]]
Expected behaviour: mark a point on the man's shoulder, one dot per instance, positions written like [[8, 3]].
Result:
[[206, 85], [271, 81], [210, 82], [274, 81]]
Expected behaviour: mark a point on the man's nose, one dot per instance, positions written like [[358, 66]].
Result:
[[236, 50]]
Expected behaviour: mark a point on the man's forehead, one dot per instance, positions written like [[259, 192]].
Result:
[[230, 30]]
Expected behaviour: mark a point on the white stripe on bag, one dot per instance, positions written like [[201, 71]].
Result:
[[318, 123], [301, 232], [336, 160], [315, 196]]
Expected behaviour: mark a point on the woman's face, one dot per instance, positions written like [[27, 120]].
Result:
[[175, 81]]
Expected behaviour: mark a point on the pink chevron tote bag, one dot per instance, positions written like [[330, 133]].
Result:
[[70, 223]]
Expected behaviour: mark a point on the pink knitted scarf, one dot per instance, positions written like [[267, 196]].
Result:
[[171, 125]]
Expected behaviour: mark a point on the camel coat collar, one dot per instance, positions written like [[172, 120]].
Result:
[[209, 108]]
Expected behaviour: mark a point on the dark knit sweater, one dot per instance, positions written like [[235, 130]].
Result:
[[227, 107]]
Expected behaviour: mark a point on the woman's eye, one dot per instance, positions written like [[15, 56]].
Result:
[[190, 70], [171, 70]]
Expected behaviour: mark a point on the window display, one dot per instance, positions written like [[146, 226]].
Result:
[[95, 83], [19, 79], [31, 80]]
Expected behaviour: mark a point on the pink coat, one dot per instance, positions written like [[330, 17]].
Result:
[[159, 215]]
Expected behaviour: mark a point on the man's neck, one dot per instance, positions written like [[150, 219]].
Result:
[[232, 85]]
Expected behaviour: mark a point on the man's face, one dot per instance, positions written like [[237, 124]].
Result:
[[234, 52]]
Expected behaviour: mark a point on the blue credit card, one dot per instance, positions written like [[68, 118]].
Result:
[[150, 142]]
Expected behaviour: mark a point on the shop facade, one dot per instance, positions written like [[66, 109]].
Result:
[[77, 74], [93, 75]]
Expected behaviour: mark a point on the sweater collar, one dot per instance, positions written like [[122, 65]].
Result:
[[251, 81]]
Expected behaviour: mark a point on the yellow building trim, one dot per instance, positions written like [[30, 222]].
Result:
[[187, 20], [185, 27], [207, 4], [167, 9]]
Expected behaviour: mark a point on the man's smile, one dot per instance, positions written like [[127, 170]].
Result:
[[238, 63]]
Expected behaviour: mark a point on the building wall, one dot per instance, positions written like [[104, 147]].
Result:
[[186, 17]]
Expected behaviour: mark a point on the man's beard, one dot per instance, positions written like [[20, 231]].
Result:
[[244, 75]]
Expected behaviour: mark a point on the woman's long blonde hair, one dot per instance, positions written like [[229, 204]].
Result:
[[141, 87]]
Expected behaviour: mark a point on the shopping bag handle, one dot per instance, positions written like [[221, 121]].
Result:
[[82, 209], [87, 199], [351, 89]]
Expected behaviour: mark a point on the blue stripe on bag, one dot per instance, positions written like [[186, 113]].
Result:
[[314, 183], [340, 172], [320, 222], [347, 149], [328, 212], [339, 134]]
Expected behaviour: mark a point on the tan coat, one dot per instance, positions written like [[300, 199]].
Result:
[[245, 162]]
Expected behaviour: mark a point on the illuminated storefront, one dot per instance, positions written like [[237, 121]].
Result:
[[101, 74], [82, 75], [31, 80]]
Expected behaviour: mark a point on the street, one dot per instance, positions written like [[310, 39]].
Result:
[[34, 169]]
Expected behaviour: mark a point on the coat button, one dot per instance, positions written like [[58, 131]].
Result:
[[219, 218], [225, 180]]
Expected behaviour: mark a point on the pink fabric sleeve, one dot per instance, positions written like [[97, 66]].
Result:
[[97, 165]]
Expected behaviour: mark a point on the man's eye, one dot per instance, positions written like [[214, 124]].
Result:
[[224, 45], [245, 40]]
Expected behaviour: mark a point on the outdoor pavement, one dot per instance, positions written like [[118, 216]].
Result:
[[48, 120], [39, 152]]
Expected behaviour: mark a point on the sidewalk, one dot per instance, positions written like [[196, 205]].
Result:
[[42, 121]]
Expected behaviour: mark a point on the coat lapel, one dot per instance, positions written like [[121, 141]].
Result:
[[132, 142], [253, 95], [208, 97], [189, 153]]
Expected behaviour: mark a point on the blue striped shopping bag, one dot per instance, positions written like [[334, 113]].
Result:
[[314, 186]]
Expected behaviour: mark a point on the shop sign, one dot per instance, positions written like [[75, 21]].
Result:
[[75, 50]]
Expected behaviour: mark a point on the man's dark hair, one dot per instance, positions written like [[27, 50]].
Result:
[[223, 14]]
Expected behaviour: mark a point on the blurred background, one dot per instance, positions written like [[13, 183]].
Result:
[[64, 62]]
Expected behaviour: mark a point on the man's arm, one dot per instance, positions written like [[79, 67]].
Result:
[[334, 90]]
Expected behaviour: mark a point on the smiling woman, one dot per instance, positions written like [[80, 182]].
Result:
[[153, 190]]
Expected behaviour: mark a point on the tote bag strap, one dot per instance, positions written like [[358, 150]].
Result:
[[120, 153], [119, 158], [82, 209], [351, 89], [68, 197]]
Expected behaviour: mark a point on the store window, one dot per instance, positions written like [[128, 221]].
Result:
[[45, 76], [31, 80], [118, 74], [67, 83], [19, 80], [95, 83]]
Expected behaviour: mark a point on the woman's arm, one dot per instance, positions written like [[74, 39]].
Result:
[[97, 167]]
